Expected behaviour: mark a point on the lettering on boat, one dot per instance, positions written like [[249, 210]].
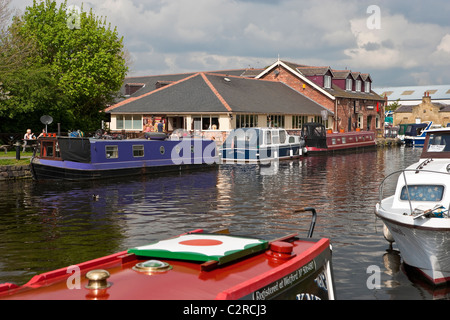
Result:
[[285, 283]]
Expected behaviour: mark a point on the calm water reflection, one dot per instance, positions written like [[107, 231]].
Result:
[[44, 226]]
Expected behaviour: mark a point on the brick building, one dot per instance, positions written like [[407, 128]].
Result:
[[427, 110], [348, 96]]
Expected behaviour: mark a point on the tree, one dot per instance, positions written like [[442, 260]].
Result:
[[393, 106], [76, 69]]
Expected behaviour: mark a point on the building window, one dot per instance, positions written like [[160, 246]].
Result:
[[276, 121], [138, 151], [360, 121], [298, 121], [129, 122], [367, 86], [319, 119], [246, 120], [196, 123], [348, 84], [358, 85], [327, 81], [210, 123], [205, 123]]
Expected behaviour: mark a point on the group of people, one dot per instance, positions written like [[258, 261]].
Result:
[[159, 127], [30, 136]]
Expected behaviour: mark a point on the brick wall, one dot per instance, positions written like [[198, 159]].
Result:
[[345, 107], [296, 83]]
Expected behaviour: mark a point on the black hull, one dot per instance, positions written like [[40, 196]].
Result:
[[45, 172]]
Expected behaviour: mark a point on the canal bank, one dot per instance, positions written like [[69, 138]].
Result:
[[15, 172]]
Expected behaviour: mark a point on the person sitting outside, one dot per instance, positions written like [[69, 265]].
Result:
[[28, 136], [42, 133]]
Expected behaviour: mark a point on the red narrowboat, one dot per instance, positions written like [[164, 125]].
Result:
[[318, 140], [195, 266]]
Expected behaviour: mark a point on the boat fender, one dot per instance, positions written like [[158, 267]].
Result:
[[387, 234], [280, 250]]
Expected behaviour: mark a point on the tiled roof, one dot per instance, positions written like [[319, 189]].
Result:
[[341, 74], [340, 93], [150, 83], [408, 108], [312, 71], [215, 93]]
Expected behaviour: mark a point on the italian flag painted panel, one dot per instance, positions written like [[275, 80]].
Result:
[[202, 247]]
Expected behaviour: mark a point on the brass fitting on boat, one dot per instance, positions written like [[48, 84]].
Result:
[[98, 279], [152, 266]]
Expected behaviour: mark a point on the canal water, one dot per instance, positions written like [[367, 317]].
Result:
[[45, 226]]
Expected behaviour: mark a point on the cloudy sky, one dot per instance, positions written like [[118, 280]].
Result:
[[398, 42]]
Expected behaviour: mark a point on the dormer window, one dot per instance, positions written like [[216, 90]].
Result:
[[348, 84], [358, 85], [367, 86], [327, 81]]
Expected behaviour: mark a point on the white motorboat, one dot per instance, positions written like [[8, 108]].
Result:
[[260, 145], [417, 214]]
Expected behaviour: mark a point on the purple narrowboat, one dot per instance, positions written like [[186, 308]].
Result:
[[79, 158]]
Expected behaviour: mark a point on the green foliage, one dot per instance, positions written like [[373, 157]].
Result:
[[393, 106], [75, 70]]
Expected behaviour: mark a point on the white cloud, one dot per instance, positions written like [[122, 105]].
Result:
[[171, 36], [401, 50], [398, 43], [445, 44]]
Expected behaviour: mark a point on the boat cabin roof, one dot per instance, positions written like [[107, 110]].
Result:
[[261, 129], [314, 129], [137, 275]]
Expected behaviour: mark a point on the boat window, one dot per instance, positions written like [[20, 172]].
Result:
[[275, 138], [291, 139], [282, 136], [422, 193], [268, 137], [344, 140], [333, 141], [439, 143], [251, 138], [162, 150], [112, 152], [138, 151], [47, 149]]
